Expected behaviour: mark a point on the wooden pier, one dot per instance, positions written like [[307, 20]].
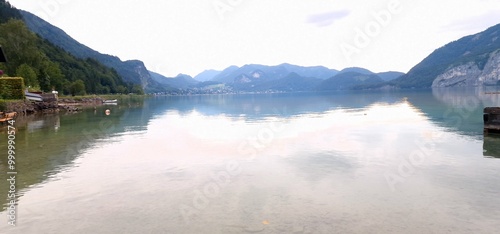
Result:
[[491, 120]]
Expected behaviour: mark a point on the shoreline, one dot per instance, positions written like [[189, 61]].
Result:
[[25, 107]]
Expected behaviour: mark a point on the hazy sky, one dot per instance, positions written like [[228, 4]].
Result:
[[189, 36]]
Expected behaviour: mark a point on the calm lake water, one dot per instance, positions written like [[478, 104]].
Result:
[[388, 162]]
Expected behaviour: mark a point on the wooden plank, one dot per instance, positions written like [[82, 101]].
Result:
[[492, 110], [493, 127]]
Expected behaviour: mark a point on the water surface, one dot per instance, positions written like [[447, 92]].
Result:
[[412, 162]]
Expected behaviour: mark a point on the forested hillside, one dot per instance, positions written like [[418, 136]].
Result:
[[132, 71], [47, 67]]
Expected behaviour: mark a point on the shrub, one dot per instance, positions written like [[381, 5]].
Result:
[[12, 88]]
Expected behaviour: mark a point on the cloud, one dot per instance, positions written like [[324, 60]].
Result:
[[328, 18]]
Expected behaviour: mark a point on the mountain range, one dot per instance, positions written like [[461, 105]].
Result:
[[251, 77], [470, 61]]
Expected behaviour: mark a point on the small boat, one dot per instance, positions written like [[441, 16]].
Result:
[[33, 96], [4, 117], [114, 101]]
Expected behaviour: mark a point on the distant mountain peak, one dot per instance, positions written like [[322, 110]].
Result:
[[207, 75], [183, 75], [356, 69]]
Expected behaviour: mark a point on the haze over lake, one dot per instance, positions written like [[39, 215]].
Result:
[[345, 162]]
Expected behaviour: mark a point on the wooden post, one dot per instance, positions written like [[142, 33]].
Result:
[[491, 119]]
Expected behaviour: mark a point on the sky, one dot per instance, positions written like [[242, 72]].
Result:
[[190, 36]]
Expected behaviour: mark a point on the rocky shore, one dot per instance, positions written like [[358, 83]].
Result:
[[64, 104]]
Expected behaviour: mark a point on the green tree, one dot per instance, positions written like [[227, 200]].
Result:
[[19, 45], [121, 89], [7, 12], [44, 81], [137, 89], [66, 87], [78, 88], [28, 73], [56, 76], [105, 90]]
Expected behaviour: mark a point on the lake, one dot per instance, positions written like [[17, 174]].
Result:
[[345, 162]]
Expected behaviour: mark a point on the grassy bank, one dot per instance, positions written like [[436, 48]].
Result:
[[121, 98]]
